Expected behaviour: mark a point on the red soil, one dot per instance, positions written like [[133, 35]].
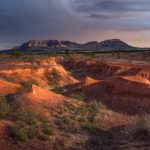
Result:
[[125, 94], [40, 74], [8, 87], [99, 69], [5, 140], [41, 100], [124, 89], [88, 81]]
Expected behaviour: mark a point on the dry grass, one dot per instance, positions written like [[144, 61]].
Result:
[[139, 127], [5, 108]]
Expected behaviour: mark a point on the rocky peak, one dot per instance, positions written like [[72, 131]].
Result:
[[113, 42]]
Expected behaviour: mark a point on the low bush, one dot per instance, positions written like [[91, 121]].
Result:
[[78, 96], [33, 132], [94, 105], [28, 117], [28, 84], [92, 129], [47, 129], [17, 53], [139, 127], [54, 78], [89, 54], [59, 90], [52, 53], [18, 134], [4, 107]]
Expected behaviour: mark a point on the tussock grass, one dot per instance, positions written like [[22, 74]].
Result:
[[17, 133], [59, 90], [27, 116], [139, 127], [78, 96], [5, 108]]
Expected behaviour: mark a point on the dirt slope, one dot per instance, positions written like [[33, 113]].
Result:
[[43, 73], [8, 87], [99, 69]]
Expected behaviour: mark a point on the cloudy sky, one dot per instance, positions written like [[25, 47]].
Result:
[[76, 20]]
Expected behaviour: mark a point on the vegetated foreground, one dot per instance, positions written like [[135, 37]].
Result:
[[75, 102]]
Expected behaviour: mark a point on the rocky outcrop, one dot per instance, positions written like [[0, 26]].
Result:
[[54, 44], [114, 44]]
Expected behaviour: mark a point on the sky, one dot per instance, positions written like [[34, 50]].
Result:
[[75, 20]]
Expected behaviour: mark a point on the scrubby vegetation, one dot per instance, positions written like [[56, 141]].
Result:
[[17, 53], [55, 78], [79, 96], [28, 84], [27, 116], [89, 54], [5, 108], [18, 134], [59, 90], [76, 119], [139, 127], [30, 125]]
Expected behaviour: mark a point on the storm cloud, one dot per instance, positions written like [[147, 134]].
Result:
[[77, 20]]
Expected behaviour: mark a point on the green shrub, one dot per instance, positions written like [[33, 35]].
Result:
[[81, 143], [30, 58], [89, 54], [55, 78], [47, 129], [139, 127], [79, 74], [59, 90], [95, 106], [18, 134], [55, 74], [52, 53], [65, 143], [65, 123], [17, 53], [28, 117], [92, 129], [33, 132], [71, 123], [79, 96], [66, 57], [4, 107], [28, 84]]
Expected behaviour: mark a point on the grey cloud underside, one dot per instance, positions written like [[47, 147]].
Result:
[[111, 5], [111, 9], [107, 16]]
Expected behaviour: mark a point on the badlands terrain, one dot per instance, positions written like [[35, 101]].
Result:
[[75, 102]]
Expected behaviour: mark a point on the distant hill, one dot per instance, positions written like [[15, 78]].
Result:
[[55, 45], [113, 44]]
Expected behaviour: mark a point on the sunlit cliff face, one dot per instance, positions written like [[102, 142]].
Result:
[[76, 20]]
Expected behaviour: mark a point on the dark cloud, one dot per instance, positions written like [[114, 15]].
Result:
[[107, 16], [111, 5], [22, 20], [79, 20]]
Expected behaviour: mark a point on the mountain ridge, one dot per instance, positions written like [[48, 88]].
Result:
[[112, 44], [46, 46]]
